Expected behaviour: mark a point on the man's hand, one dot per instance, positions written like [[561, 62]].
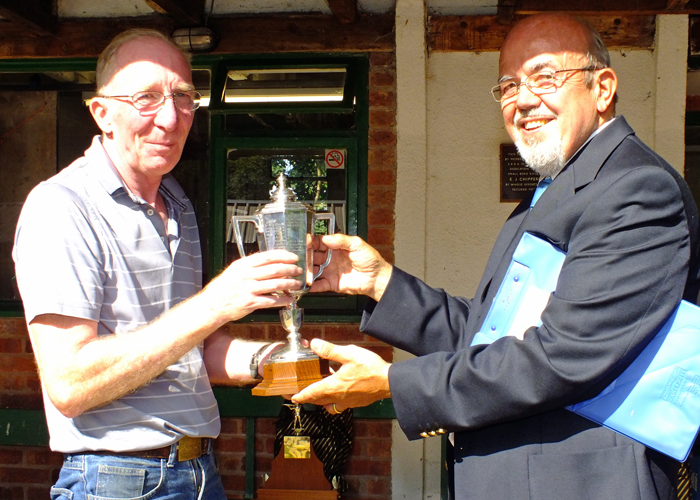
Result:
[[362, 380], [355, 268], [254, 282]]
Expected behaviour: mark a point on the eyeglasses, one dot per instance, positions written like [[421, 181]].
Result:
[[151, 101], [543, 82]]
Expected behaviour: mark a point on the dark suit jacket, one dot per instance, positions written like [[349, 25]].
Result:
[[627, 223]]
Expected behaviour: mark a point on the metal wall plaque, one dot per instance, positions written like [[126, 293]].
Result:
[[517, 179]]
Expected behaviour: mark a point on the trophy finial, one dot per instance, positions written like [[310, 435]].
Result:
[[281, 193]]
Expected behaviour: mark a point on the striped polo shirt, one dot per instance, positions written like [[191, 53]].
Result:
[[87, 247]]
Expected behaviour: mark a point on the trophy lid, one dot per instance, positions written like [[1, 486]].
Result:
[[283, 198]]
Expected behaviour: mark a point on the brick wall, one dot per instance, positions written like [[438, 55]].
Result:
[[26, 473]]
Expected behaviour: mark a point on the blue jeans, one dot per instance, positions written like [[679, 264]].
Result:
[[95, 477]]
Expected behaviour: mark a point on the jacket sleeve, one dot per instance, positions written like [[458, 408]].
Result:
[[625, 271]]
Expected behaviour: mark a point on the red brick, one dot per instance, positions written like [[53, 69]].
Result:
[[370, 428], [380, 216], [231, 444], [386, 252], [265, 426], [43, 456], [377, 59], [378, 486], [232, 426], [312, 331], [229, 463], [379, 157], [10, 346], [16, 493], [33, 382], [378, 196], [248, 331], [10, 456], [343, 334], [382, 118], [382, 99], [14, 475], [382, 137], [368, 467], [19, 363], [378, 449], [13, 326], [381, 178], [382, 78], [234, 485], [380, 235], [38, 493], [12, 381]]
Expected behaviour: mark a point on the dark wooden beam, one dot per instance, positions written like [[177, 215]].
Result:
[[486, 33], [615, 7], [185, 12], [345, 11], [238, 35], [33, 15]]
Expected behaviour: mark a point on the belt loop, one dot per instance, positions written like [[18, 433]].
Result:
[[172, 458]]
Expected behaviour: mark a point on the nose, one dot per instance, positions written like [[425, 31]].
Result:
[[526, 98], [166, 117]]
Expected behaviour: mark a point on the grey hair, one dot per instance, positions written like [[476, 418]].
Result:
[[597, 55], [106, 63]]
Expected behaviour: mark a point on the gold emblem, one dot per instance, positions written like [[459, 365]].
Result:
[[297, 447]]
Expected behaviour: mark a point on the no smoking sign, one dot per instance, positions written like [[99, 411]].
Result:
[[335, 158]]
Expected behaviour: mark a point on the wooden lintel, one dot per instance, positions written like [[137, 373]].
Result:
[[345, 11], [486, 33], [33, 15], [238, 35], [185, 12], [617, 7]]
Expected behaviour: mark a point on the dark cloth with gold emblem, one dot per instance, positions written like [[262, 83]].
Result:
[[331, 438]]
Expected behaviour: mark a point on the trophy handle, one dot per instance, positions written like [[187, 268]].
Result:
[[236, 221], [331, 230]]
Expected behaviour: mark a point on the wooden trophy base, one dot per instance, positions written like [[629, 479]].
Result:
[[289, 377], [297, 479]]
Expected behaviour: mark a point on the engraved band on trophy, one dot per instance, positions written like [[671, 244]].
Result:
[[288, 224]]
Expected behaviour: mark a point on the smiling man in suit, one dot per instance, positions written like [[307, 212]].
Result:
[[628, 226]]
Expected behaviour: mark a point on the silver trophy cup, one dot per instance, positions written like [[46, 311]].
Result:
[[287, 224]]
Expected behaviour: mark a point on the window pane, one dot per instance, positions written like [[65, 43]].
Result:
[[252, 173]]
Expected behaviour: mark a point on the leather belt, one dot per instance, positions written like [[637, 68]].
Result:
[[188, 448]]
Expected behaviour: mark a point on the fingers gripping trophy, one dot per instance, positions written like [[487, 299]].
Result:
[[288, 224]]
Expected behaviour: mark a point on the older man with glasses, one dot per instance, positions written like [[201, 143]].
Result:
[[109, 267], [629, 227]]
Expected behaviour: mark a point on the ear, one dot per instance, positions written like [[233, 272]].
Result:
[[606, 86], [99, 109]]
